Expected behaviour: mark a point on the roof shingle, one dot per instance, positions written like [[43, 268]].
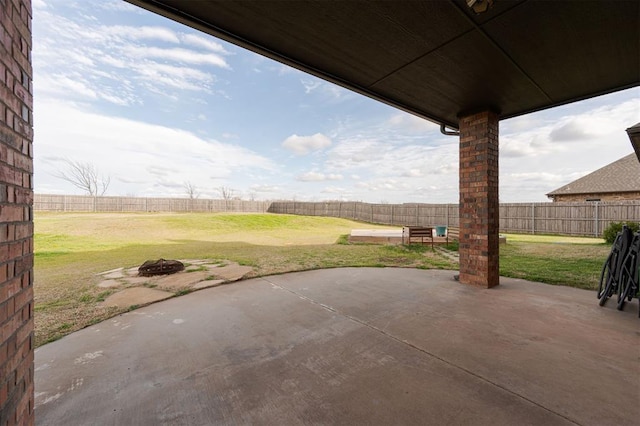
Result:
[[622, 175]]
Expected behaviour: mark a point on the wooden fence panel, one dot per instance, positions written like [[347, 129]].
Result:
[[580, 219], [83, 203], [586, 219]]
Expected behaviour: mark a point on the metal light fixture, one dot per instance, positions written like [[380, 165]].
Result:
[[479, 6]]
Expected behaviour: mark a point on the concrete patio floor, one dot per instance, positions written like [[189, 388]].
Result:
[[351, 346]]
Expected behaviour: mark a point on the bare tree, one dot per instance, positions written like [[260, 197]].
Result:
[[226, 193], [191, 190], [85, 176]]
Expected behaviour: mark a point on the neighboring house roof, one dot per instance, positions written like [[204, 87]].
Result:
[[622, 175]]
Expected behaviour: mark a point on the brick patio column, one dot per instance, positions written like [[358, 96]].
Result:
[[479, 204], [16, 222]]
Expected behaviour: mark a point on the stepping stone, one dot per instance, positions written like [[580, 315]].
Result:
[[182, 279], [138, 280], [113, 273], [207, 283], [136, 296], [232, 272]]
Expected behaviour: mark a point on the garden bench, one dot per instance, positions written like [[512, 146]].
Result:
[[413, 232]]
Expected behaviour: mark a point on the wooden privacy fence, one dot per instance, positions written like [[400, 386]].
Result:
[[580, 219], [586, 219], [84, 203], [387, 214]]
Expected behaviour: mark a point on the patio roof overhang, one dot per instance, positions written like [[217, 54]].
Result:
[[634, 136], [436, 59]]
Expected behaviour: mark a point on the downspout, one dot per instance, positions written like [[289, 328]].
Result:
[[444, 131]]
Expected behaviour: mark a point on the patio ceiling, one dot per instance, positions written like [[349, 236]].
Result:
[[437, 59]]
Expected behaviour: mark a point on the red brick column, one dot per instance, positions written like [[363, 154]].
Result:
[[16, 222], [479, 203]]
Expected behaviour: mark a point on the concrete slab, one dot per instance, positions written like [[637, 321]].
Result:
[[397, 233], [376, 236], [110, 271], [113, 274], [136, 296], [207, 283], [231, 272], [138, 280], [181, 279], [351, 346]]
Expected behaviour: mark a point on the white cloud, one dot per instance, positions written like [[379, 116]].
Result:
[[63, 85], [412, 173], [310, 85], [178, 77], [205, 43], [412, 123], [132, 151], [118, 6], [327, 91], [343, 194], [265, 188], [314, 176], [122, 61], [302, 145], [140, 33], [176, 54]]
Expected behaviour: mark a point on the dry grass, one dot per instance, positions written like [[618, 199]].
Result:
[[72, 248]]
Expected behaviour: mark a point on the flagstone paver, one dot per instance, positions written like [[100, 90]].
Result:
[[208, 283], [232, 272], [181, 279], [138, 290], [136, 296]]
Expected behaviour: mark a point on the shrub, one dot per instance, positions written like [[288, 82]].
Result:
[[609, 234]]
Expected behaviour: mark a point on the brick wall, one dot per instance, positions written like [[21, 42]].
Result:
[[16, 224], [479, 204]]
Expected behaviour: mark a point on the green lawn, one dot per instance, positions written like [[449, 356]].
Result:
[[570, 261], [71, 248]]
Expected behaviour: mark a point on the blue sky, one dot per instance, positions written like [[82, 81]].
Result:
[[154, 104]]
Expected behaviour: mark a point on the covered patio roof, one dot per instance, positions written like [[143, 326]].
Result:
[[437, 59]]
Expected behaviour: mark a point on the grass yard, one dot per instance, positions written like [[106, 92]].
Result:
[[570, 261], [71, 248]]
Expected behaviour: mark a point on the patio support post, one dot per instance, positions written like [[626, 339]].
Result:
[[479, 202]]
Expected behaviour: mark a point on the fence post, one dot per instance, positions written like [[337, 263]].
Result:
[[446, 215], [533, 219], [596, 220]]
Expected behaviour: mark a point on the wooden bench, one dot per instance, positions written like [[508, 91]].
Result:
[[413, 232]]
